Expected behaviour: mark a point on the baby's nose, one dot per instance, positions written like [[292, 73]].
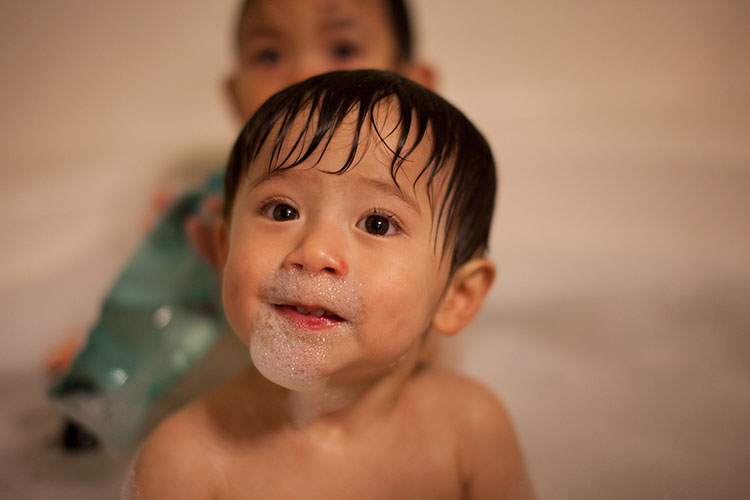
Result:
[[319, 251]]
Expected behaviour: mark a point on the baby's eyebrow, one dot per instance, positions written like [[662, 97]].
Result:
[[389, 188], [261, 179]]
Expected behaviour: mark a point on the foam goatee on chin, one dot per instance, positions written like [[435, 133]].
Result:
[[292, 356]]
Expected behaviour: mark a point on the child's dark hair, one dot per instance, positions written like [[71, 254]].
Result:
[[398, 14], [317, 107]]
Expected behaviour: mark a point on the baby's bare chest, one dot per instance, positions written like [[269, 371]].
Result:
[[416, 464]]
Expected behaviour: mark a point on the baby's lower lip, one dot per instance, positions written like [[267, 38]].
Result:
[[307, 321]]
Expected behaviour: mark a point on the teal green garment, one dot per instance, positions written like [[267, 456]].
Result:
[[161, 318]]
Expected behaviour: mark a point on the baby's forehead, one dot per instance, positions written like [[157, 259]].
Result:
[[379, 136]]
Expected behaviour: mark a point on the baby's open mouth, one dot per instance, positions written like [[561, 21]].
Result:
[[309, 311]]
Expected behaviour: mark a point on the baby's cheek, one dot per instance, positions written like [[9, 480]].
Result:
[[235, 308], [395, 325]]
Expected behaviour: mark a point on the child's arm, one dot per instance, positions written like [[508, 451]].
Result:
[[491, 458], [173, 464]]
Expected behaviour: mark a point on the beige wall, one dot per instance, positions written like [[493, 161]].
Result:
[[98, 99], [620, 127]]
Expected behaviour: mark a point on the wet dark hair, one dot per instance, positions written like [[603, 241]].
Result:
[[398, 13], [307, 114]]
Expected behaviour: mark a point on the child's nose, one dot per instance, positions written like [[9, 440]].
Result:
[[305, 66], [320, 251]]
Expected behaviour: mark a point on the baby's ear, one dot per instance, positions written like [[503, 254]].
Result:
[[464, 296]]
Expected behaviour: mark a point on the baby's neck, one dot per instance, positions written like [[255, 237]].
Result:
[[305, 408], [348, 405]]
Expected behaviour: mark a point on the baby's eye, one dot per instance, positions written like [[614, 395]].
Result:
[[344, 51], [378, 225], [281, 212]]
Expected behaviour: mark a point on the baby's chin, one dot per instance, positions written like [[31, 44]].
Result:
[[288, 375], [288, 357]]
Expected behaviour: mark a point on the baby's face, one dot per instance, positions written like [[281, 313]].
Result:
[[333, 278], [286, 41]]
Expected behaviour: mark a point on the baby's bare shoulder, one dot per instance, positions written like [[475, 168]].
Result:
[[178, 460], [468, 399], [190, 421], [488, 450], [466, 407]]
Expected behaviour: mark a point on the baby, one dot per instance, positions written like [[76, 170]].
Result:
[[358, 207]]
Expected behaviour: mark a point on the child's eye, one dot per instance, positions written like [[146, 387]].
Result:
[[280, 212], [343, 51], [379, 225], [267, 57]]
